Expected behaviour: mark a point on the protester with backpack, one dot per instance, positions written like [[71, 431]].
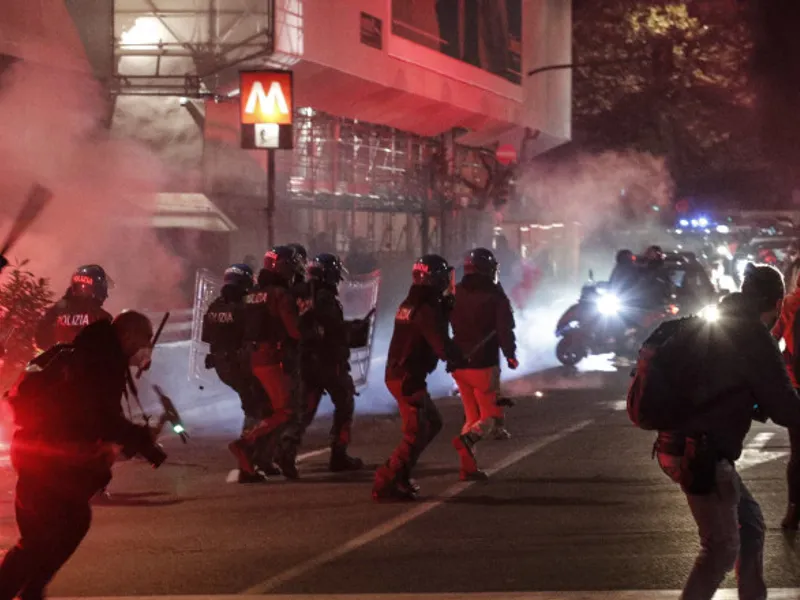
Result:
[[700, 384], [68, 416]]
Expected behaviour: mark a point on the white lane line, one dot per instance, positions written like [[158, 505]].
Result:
[[728, 594], [405, 518], [233, 474]]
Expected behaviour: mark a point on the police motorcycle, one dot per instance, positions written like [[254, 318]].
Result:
[[596, 324]]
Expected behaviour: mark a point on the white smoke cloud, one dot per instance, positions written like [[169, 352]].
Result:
[[104, 188], [597, 190]]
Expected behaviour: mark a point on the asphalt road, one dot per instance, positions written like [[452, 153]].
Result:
[[574, 503]]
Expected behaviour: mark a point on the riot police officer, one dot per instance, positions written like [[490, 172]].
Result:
[[223, 330], [273, 335], [81, 306], [325, 367], [483, 326], [419, 341]]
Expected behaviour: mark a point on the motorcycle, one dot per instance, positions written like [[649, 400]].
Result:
[[601, 323]]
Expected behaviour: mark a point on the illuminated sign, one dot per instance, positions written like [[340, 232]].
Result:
[[266, 109]]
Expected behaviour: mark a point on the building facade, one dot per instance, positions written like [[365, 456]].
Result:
[[401, 106]]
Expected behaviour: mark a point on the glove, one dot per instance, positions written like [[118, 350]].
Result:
[[513, 363]]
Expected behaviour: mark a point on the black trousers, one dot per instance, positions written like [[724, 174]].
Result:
[[51, 527], [338, 384]]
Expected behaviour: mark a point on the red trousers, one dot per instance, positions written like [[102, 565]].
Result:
[[279, 387], [479, 389]]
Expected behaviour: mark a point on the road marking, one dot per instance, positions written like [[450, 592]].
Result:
[[405, 518], [728, 594], [233, 474], [754, 453]]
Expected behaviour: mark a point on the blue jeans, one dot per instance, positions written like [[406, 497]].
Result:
[[731, 529]]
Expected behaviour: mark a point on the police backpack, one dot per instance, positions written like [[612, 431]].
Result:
[[669, 380]]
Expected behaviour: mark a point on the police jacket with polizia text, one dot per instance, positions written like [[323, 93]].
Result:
[[224, 321], [327, 341], [67, 422], [482, 309], [66, 318], [271, 318], [744, 369], [420, 339]]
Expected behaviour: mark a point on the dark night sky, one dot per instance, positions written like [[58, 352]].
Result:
[[776, 71]]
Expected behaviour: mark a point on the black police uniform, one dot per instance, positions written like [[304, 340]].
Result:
[[419, 341], [325, 357], [66, 318], [62, 452], [223, 330], [272, 332]]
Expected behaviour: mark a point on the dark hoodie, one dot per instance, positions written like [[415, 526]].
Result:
[[420, 339], [482, 308], [745, 370]]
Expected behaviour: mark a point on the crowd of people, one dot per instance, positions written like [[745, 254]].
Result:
[[280, 341]]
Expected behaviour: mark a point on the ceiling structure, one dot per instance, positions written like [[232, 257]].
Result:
[[191, 48]]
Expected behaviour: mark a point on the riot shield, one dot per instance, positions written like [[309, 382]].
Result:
[[207, 286], [359, 297]]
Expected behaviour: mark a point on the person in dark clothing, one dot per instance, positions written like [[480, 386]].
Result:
[[81, 305], [68, 413], [746, 377], [483, 325], [788, 329], [625, 274], [272, 333], [653, 289], [326, 368], [419, 341], [223, 330]]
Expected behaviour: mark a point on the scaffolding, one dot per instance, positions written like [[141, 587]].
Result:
[[345, 163], [190, 48]]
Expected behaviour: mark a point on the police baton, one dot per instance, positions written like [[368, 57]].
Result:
[[480, 345], [501, 401], [37, 199]]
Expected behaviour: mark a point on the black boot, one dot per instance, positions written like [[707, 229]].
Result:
[[341, 461], [257, 477], [287, 462], [792, 519]]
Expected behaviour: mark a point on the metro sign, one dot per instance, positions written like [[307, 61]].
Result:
[[266, 109]]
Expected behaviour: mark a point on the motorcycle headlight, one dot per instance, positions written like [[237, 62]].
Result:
[[608, 304], [710, 313]]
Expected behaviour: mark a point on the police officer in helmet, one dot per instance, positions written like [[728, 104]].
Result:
[[325, 365], [419, 341], [81, 306], [223, 330], [483, 327], [272, 334]]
